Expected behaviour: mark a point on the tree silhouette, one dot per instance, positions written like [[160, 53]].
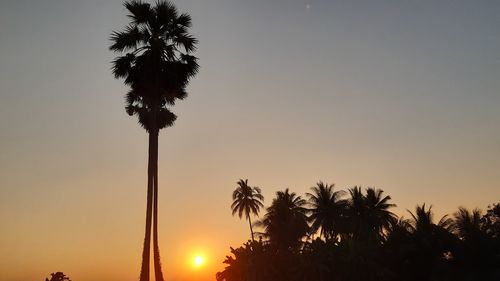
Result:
[[58, 276], [378, 215], [491, 220], [478, 250], [251, 262], [327, 210], [432, 242], [369, 214], [247, 200], [468, 225], [464, 248], [357, 212], [156, 62], [423, 221], [285, 222]]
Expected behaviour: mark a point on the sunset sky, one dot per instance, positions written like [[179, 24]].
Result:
[[399, 95]]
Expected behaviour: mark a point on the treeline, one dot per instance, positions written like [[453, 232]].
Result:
[[352, 235]]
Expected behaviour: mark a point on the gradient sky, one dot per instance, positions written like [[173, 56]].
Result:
[[400, 95]]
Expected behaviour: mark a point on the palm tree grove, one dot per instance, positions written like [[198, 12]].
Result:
[[354, 236]]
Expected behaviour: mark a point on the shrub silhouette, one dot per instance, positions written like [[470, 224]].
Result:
[[58, 276]]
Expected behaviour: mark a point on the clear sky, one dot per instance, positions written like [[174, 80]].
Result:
[[400, 95]]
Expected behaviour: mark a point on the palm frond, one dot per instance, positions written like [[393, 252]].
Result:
[[183, 20], [122, 65], [139, 11], [128, 39], [166, 13]]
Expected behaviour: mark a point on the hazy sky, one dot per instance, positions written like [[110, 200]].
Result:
[[401, 95]]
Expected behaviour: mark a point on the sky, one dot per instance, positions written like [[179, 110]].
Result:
[[398, 95]]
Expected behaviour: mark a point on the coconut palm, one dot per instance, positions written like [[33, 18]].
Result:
[[356, 211], [378, 215], [478, 251], [398, 231], [368, 214], [285, 222], [423, 221], [155, 60], [247, 200], [327, 210], [468, 225], [432, 242]]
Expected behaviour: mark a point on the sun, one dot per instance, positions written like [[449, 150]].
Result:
[[198, 261]]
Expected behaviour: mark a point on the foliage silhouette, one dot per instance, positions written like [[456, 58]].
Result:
[[285, 222], [370, 243], [58, 276], [327, 210], [155, 60], [491, 220], [247, 200], [477, 246]]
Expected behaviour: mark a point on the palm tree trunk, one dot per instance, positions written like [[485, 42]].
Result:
[[251, 230], [147, 236], [156, 249]]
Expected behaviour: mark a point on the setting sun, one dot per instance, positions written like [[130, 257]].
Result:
[[198, 261]]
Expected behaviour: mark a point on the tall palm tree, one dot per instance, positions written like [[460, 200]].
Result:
[[155, 60], [247, 200], [327, 209], [285, 222]]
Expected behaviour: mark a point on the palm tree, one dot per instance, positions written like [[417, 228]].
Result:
[[247, 200], [356, 211], [156, 63], [327, 209], [477, 251], [397, 231], [432, 242], [285, 222], [423, 221], [369, 214], [379, 216], [468, 225]]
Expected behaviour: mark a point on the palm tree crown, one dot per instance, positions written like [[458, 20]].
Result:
[[285, 222], [327, 209], [155, 61], [369, 214], [423, 221], [468, 225], [247, 200], [379, 216]]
